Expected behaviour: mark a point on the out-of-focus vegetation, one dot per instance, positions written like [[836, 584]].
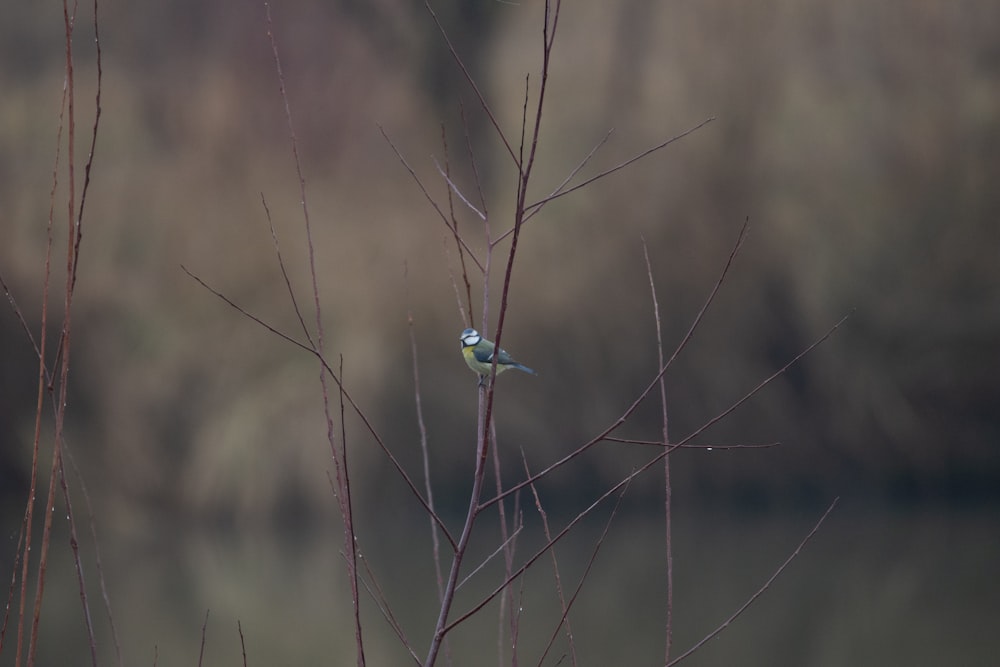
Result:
[[862, 139]]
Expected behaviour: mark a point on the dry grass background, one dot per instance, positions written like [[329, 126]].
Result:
[[861, 138]]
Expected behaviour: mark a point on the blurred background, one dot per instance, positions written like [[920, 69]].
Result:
[[861, 139]]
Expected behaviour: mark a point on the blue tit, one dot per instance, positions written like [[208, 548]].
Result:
[[478, 353]]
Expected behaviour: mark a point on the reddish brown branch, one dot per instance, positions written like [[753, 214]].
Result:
[[653, 383], [622, 486], [339, 455]]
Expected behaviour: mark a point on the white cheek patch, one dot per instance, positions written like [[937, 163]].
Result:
[[470, 337]]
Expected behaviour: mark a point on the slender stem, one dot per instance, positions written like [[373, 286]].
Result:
[[425, 456], [564, 620], [686, 439], [440, 627], [339, 455], [667, 495], [622, 165], [760, 591]]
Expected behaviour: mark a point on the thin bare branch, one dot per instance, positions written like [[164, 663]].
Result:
[[204, 633], [284, 273], [93, 145], [463, 313], [667, 490], [472, 82], [572, 174], [74, 219], [672, 446], [763, 383], [684, 441], [621, 485], [555, 573], [740, 238], [500, 547], [336, 378], [13, 586], [29, 510], [427, 196], [424, 450], [303, 198], [441, 627], [653, 383], [339, 457], [49, 509], [24, 323], [760, 591], [513, 606], [74, 544], [243, 644], [524, 127], [583, 579], [350, 534], [382, 603], [454, 188], [618, 167], [453, 225], [548, 30], [473, 162]]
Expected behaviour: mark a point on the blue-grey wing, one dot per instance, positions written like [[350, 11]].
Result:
[[484, 354], [504, 358]]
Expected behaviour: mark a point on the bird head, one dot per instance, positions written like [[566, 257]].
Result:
[[470, 337]]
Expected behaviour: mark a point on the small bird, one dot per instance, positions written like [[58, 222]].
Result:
[[478, 353]]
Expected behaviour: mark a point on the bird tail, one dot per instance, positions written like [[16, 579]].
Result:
[[522, 367]]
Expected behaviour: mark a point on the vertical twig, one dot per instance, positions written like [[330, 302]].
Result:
[[654, 383], [555, 570], [78, 563], [440, 627], [430, 200], [74, 260], [620, 486], [509, 547], [345, 489], [339, 456], [43, 382], [204, 634], [74, 235], [382, 604], [667, 512], [284, 273], [424, 451], [485, 412], [526, 165], [454, 230], [243, 644], [564, 619]]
